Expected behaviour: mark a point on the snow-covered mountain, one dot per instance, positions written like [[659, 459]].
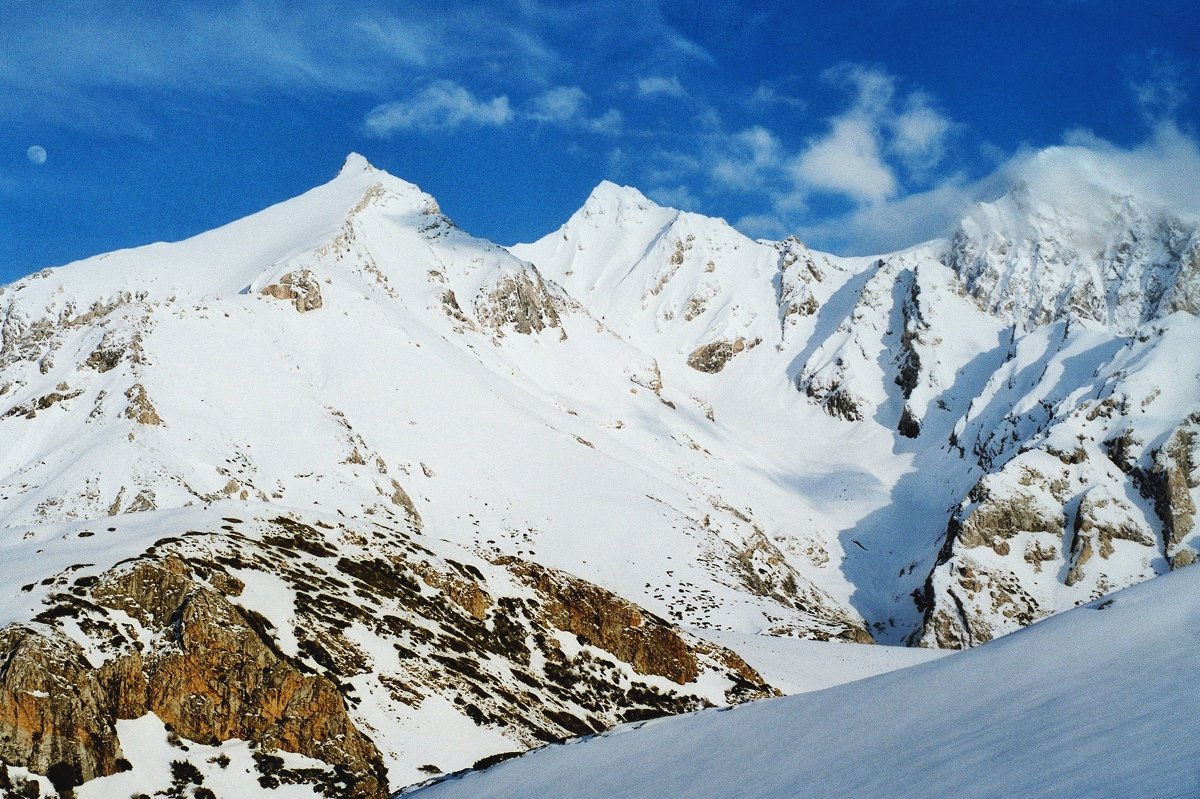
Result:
[[1016, 404], [365, 439]]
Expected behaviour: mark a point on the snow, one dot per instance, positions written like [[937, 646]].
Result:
[[797, 666], [149, 749], [1087, 704], [592, 446], [301, 409]]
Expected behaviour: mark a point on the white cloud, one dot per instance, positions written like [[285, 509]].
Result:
[[847, 161], [749, 160], [919, 134], [566, 106], [441, 106], [560, 104], [1163, 170], [878, 132], [893, 225], [1081, 174], [660, 86]]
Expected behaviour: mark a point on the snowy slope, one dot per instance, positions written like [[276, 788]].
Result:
[[956, 369], [1087, 704], [738, 434], [749, 439], [436, 367]]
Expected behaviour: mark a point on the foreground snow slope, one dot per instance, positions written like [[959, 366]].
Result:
[[1087, 704]]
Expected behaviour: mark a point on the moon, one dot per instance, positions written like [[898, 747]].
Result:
[[36, 155]]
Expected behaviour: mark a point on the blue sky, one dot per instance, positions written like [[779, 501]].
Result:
[[859, 126]]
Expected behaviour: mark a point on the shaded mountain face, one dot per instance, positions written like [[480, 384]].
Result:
[[465, 493]]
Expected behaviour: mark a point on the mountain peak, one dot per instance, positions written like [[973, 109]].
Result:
[[355, 164], [612, 197]]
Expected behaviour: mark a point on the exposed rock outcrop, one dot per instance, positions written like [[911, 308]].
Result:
[[714, 356], [56, 714], [213, 674], [603, 619], [763, 570], [1173, 477], [301, 288], [520, 300], [140, 409], [167, 634]]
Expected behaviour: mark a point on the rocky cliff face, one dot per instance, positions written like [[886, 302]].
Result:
[[1077, 499], [376, 621]]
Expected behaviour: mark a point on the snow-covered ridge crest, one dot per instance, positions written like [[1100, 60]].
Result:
[[1070, 240], [229, 258]]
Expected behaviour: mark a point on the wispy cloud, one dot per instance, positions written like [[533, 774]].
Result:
[[567, 106], [660, 86], [883, 141], [1159, 82], [116, 67], [749, 160], [441, 106], [765, 95], [560, 105]]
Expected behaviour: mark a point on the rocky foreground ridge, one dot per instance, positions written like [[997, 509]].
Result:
[[362, 623]]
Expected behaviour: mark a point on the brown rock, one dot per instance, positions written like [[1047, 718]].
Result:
[[140, 409], [302, 288], [998, 518], [213, 677], [1172, 477], [520, 300], [713, 357], [54, 712], [607, 621], [464, 592]]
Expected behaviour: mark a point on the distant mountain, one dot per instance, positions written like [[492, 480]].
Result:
[[464, 499]]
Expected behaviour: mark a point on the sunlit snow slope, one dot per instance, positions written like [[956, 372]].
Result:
[[645, 416], [939, 445]]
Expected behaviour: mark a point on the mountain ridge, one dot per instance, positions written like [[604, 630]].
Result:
[[748, 437]]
